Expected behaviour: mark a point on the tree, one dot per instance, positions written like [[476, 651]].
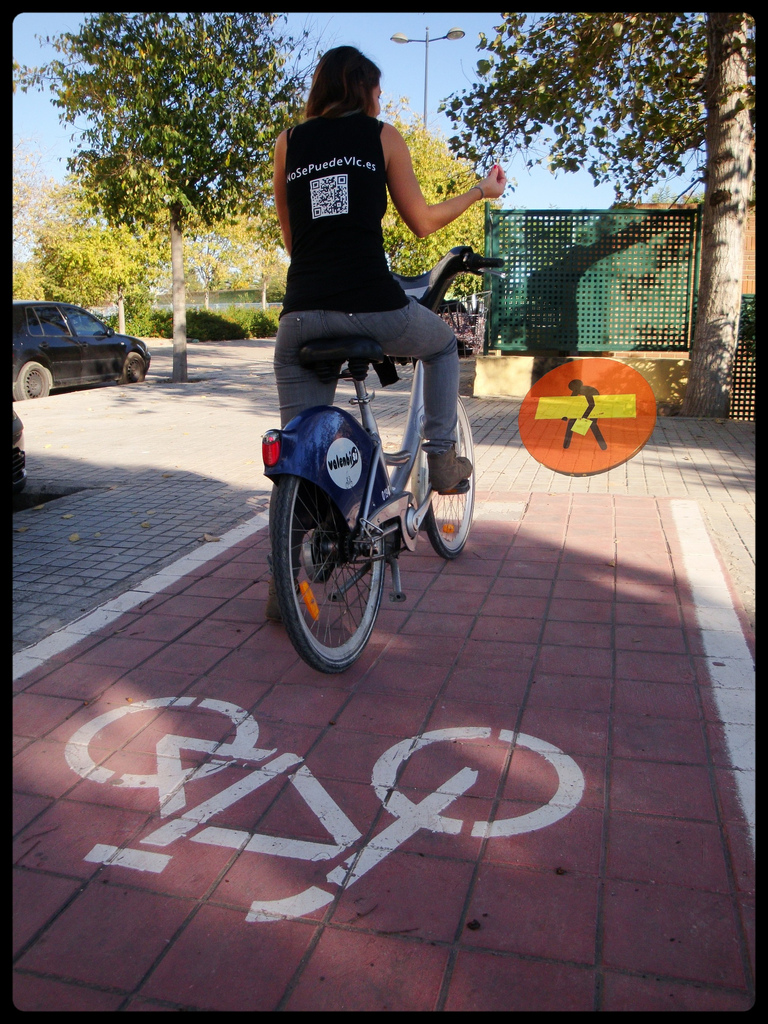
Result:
[[34, 196], [441, 176], [634, 97], [83, 259], [208, 257], [258, 257], [182, 113]]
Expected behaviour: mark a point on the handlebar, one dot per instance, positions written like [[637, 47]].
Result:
[[430, 288], [477, 264]]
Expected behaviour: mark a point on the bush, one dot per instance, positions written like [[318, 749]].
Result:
[[235, 323], [747, 325], [265, 323], [141, 320], [747, 322], [207, 326], [257, 323]]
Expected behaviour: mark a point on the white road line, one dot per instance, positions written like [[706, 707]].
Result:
[[138, 860], [729, 660], [64, 638]]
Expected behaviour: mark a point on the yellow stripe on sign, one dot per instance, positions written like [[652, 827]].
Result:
[[573, 407]]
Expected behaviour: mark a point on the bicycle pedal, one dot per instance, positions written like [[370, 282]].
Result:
[[460, 488]]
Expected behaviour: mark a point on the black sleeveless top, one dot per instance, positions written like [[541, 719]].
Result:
[[337, 196]]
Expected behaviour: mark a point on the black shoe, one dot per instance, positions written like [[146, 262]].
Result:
[[448, 472]]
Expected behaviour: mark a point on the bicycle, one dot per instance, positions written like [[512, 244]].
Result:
[[343, 507]]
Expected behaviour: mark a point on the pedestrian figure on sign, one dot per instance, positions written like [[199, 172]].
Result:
[[579, 388]]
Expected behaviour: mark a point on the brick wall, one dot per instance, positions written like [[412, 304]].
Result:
[[748, 278]]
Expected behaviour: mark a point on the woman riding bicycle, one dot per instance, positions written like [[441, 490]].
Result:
[[331, 175]]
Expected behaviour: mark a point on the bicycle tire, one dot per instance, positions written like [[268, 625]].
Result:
[[329, 598], [449, 519]]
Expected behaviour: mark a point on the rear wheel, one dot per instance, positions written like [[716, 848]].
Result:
[[329, 593], [449, 518], [34, 381]]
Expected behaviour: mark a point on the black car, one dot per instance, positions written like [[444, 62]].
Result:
[[57, 345], [19, 471]]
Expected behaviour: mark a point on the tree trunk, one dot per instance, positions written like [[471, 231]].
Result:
[[120, 310], [730, 167], [263, 293], [179, 300]]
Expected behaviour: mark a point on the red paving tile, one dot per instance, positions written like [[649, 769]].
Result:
[[637, 993], [674, 931], [534, 913], [36, 899], [61, 838], [481, 981], [77, 680], [102, 938], [636, 894], [659, 739], [36, 714], [26, 808], [667, 699], [356, 971], [214, 965], [649, 787], [403, 896], [31, 993], [670, 850]]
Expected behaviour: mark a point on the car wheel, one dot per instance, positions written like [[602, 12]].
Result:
[[134, 369], [34, 381]]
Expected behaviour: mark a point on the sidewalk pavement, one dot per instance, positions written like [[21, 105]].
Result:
[[534, 791]]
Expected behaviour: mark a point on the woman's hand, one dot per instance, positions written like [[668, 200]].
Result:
[[421, 217], [494, 184]]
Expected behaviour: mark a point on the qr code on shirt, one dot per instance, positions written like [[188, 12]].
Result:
[[330, 196]]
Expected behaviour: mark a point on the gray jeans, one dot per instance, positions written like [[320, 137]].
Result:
[[413, 330]]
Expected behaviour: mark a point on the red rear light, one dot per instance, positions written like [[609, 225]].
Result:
[[270, 448]]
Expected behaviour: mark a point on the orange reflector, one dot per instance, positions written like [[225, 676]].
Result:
[[449, 528], [309, 599]]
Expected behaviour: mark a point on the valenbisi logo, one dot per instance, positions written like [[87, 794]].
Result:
[[343, 462]]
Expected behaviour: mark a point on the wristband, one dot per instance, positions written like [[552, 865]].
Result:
[[478, 187]]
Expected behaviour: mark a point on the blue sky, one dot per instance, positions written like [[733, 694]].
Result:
[[451, 68]]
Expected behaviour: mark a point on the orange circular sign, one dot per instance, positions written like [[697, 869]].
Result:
[[587, 416]]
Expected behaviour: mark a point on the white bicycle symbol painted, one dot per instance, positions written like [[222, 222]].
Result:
[[171, 780]]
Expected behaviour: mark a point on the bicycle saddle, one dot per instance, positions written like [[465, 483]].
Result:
[[325, 356], [337, 350]]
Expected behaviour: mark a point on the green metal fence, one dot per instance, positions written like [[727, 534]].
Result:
[[592, 280]]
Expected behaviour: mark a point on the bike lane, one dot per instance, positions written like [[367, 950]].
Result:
[[533, 791]]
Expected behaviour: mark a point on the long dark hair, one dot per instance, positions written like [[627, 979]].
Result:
[[343, 82]]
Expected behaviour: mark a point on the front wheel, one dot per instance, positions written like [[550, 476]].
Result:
[[134, 369], [329, 589], [449, 518]]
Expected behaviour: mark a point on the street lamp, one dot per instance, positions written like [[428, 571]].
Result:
[[401, 37]]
